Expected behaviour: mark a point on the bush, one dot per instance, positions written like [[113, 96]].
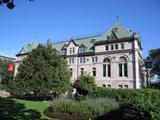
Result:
[[144, 106], [120, 95], [84, 85], [88, 108]]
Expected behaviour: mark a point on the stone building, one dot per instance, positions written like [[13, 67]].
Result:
[[114, 57]]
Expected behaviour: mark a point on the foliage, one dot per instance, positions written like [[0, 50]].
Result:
[[5, 75], [42, 72], [91, 108], [120, 95], [141, 104], [153, 61], [83, 85], [10, 3], [144, 106]]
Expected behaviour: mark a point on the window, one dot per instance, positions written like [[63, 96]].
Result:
[[104, 85], [112, 47], [123, 69], [63, 52], [71, 71], [94, 59], [82, 60], [82, 71], [73, 50], [116, 46], [107, 47], [122, 45], [94, 71], [104, 70], [81, 50], [109, 85], [70, 50], [120, 86], [71, 60], [106, 67], [125, 86]]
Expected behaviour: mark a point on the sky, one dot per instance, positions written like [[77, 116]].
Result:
[[61, 20]]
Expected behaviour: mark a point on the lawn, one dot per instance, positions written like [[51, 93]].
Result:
[[16, 109], [36, 105]]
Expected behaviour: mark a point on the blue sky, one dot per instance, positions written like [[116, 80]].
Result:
[[63, 19]]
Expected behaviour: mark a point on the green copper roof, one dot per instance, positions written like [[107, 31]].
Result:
[[29, 47], [118, 29]]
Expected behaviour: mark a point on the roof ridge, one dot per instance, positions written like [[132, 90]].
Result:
[[77, 39]]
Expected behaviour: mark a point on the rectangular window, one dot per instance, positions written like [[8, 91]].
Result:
[[71, 71], [104, 70], [72, 60], [120, 86], [109, 85], [107, 48], [82, 71], [82, 60], [109, 70], [120, 70], [94, 71], [104, 85], [116, 46], [125, 86], [112, 47], [70, 50], [73, 49], [94, 59], [122, 45], [125, 70], [81, 50]]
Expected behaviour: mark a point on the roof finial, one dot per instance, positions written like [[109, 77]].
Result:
[[117, 19]]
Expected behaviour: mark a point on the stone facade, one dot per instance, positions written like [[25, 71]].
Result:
[[114, 58]]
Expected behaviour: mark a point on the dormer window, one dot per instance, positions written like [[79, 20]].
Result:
[[81, 50], [63, 52]]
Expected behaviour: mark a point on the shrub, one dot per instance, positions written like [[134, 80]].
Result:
[[88, 108], [84, 85], [120, 95], [144, 106]]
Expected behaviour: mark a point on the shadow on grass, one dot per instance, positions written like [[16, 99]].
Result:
[[10, 110]]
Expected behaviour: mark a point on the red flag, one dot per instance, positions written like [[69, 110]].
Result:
[[11, 67]]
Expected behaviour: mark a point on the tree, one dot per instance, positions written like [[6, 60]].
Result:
[[42, 72], [83, 85], [10, 3], [5, 75], [153, 61]]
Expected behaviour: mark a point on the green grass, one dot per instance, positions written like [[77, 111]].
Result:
[[36, 105]]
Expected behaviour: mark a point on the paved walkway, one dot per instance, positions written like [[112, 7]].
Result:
[[4, 94]]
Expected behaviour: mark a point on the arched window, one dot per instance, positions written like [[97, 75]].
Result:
[[106, 67], [123, 68]]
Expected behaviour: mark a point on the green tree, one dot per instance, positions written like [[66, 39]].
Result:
[[42, 72], [10, 3], [5, 75], [153, 61], [83, 85]]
